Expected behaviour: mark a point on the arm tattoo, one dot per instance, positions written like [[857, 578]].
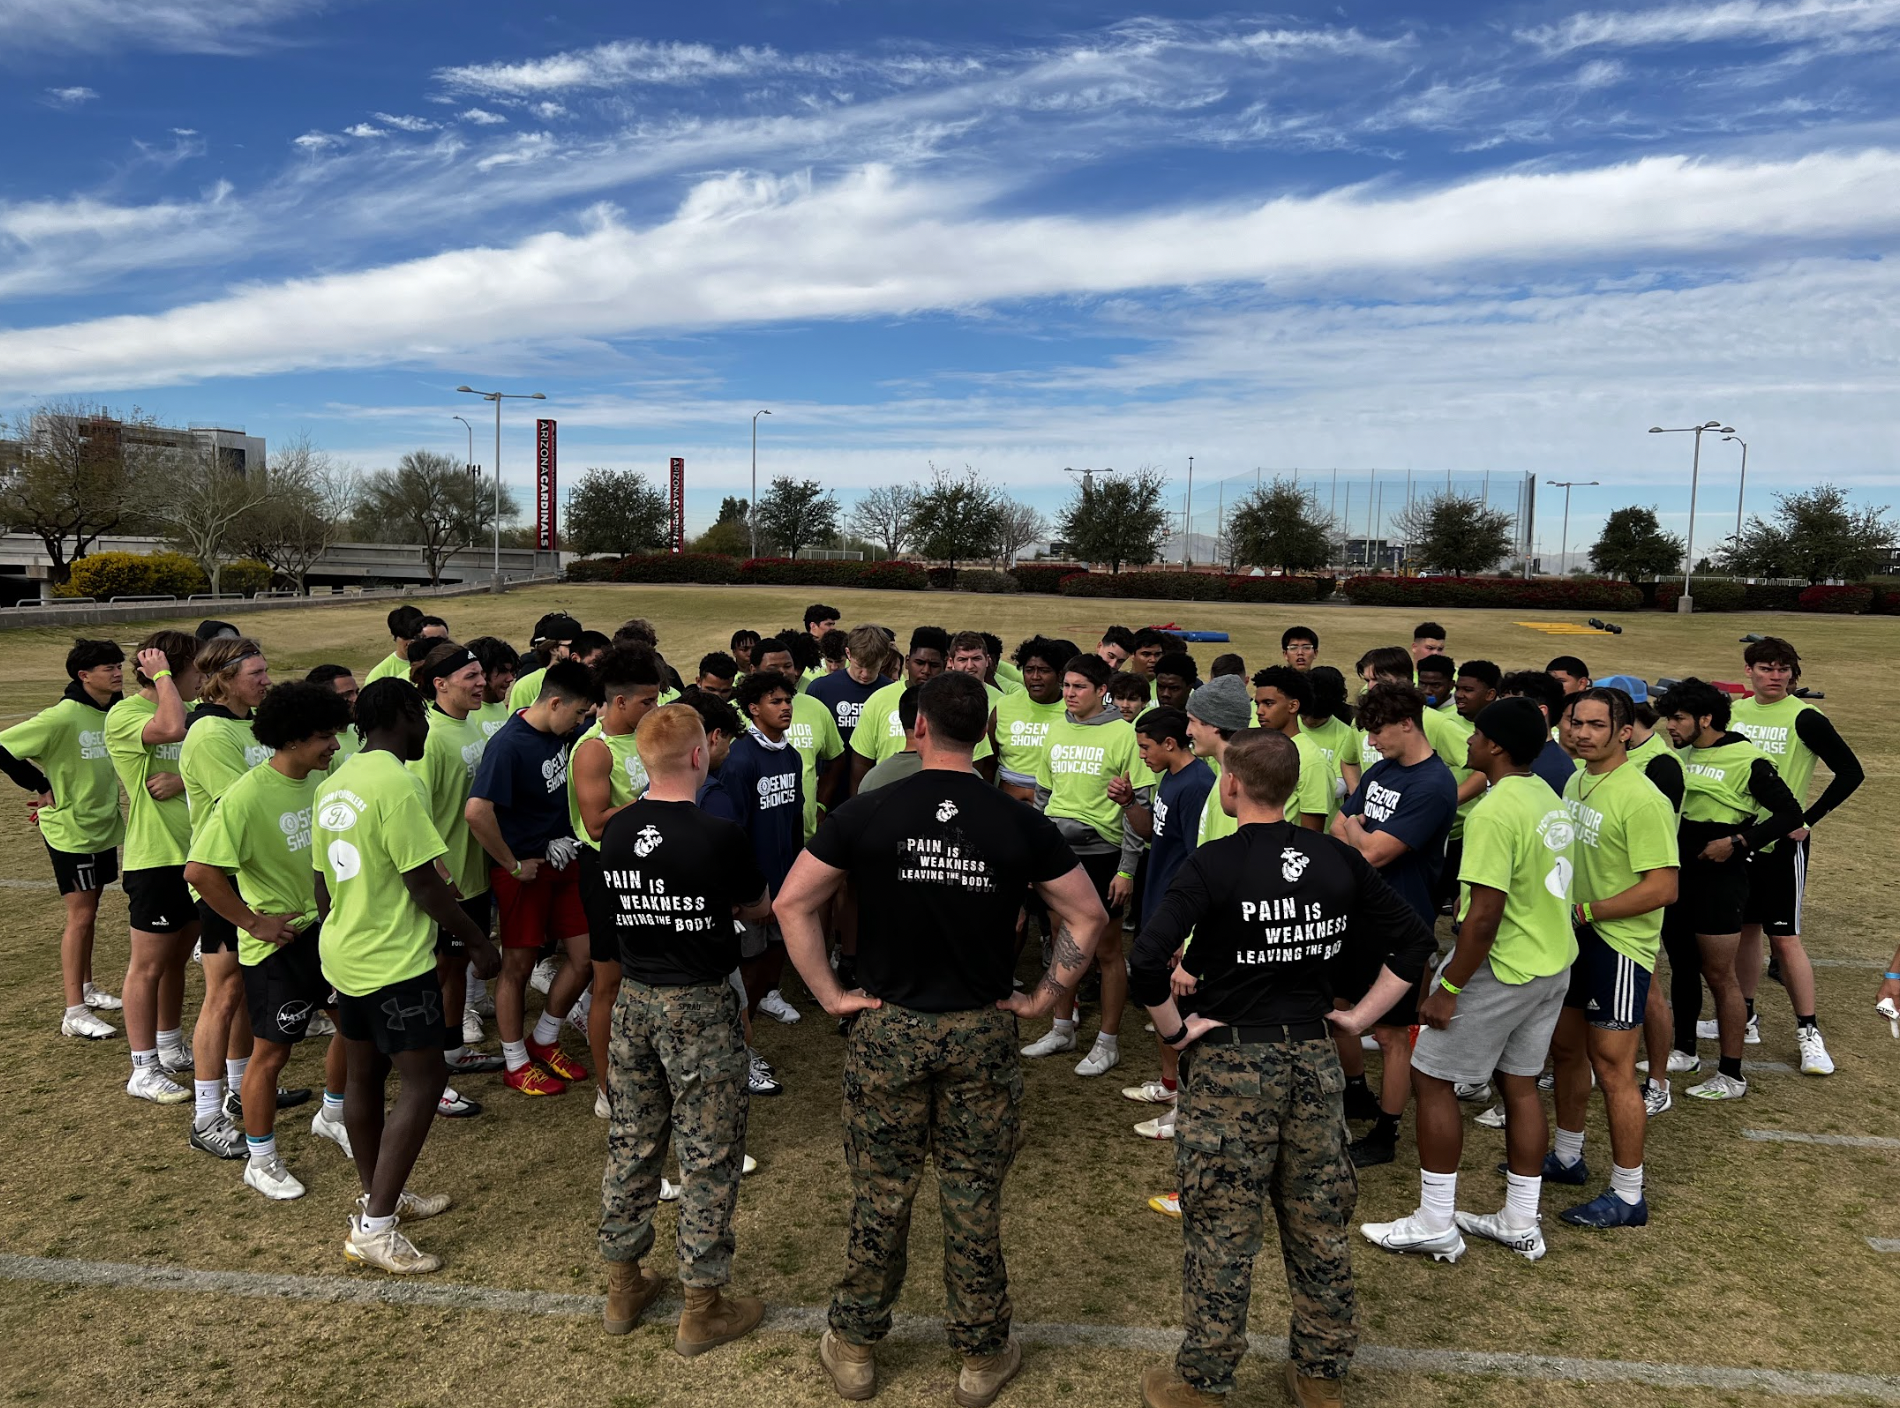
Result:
[[1065, 952]]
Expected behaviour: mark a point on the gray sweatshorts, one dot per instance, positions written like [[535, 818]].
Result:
[[1499, 1027]]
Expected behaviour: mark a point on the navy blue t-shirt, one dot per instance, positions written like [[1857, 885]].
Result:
[[845, 698], [1555, 766], [1178, 800], [1417, 805], [712, 799], [524, 773], [766, 786]]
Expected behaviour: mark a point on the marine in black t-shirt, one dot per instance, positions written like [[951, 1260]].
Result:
[[673, 876], [942, 863]]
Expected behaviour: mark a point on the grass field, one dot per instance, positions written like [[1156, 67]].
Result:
[[1756, 1256]]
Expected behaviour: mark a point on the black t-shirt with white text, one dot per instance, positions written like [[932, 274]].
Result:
[[672, 875], [941, 862], [1274, 910]]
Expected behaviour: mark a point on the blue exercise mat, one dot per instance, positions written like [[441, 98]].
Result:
[[1201, 635]]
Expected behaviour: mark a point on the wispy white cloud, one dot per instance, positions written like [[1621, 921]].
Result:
[[624, 61], [177, 26], [1746, 21], [363, 129], [481, 117], [69, 97], [403, 123], [314, 141]]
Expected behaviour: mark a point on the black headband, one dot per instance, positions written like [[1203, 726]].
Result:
[[233, 664], [449, 665]]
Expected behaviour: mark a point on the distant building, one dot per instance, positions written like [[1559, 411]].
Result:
[[237, 451], [1376, 554]]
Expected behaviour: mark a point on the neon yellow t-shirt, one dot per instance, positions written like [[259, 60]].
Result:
[[1518, 840], [880, 730], [68, 742], [527, 689], [1625, 826], [1075, 767], [156, 833], [391, 667], [260, 833], [1315, 794], [626, 779], [1022, 731], [447, 770], [814, 735]]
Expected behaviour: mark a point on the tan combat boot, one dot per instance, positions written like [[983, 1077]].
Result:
[[710, 1320], [853, 1367], [629, 1292], [1161, 1389], [983, 1376], [1305, 1391]]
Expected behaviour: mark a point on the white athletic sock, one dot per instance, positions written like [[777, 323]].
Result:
[[1437, 1197], [1655, 1084], [262, 1151], [142, 1059], [1065, 1024], [547, 1029], [1569, 1146], [454, 1054], [515, 1053], [373, 1225], [1521, 1197], [1106, 1041], [77, 1008], [332, 1106], [210, 1101], [234, 1071], [1627, 1183], [171, 1040]]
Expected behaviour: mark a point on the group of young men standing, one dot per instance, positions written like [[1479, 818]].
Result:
[[1279, 858]]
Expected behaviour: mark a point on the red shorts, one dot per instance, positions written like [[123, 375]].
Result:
[[547, 907]]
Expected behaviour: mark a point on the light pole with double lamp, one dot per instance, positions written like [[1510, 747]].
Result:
[[1563, 547], [752, 505], [1687, 603], [497, 397], [1741, 491]]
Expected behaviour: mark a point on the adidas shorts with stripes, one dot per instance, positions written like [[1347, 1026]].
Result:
[[1609, 987]]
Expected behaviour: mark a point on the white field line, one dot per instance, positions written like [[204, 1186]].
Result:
[[1843, 1141]]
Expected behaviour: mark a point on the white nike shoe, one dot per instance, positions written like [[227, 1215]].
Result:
[[542, 978], [320, 1025], [774, 1005], [1656, 1099], [471, 1027], [100, 999], [1475, 1092], [1052, 1043], [1720, 1087], [1527, 1242], [1751, 1034], [80, 1022], [151, 1083], [1410, 1234], [1102, 1059], [175, 1060], [1160, 1127], [1151, 1092], [335, 1131], [1814, 1058], [273, 1180], [1492, 1118]]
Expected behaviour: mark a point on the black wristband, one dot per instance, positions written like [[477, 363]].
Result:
[[1171, 1040]]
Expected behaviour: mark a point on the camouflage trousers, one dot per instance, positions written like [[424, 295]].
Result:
[[943, 1085], [1264, 1124], [676, 1069]]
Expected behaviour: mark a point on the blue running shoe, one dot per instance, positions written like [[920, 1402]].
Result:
[[1576, 1174], [1608, 1210]]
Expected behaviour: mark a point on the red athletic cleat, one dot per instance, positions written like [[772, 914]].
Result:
[[532, 1080], [557, 1061]]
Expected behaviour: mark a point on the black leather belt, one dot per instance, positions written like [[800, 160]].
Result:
[[1277, 1035]]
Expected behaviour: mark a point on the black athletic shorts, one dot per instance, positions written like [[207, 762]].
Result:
[[216, 934], [1777, 883], [80, 871], [476, 909], [1101, 868], [160, 900], [1610, 988], [603, 945], [1713, 898], [1446, 890], [405, 1016], [285, 990]]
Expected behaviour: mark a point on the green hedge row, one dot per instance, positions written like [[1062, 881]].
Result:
[[713, 569], [1196, 586]]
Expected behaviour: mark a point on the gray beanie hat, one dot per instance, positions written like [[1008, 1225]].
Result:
[[1222, 702]]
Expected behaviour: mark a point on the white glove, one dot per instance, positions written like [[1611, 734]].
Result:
[[562, 850]]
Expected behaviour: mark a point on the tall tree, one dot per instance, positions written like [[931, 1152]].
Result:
[[732, 510], [795, 513], [887, 516], [1448, 532], [306, 509], [1634, 546], [1280, 525], [199, 500], [1117, 518], [72, 475], [1816, 534], [616, 511], [958, 517], [432, 501], [1017, 526]]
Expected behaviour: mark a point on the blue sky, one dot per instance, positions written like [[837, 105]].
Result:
[[1498, 239]]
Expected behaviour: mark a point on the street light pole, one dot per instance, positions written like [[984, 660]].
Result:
[[471, 441], [1687, 603], [497, 397], [1187, 520], [1563, 545], [1742, 491], [752, 506]]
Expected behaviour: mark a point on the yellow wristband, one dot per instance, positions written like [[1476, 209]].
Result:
[[161, 675], [1449, 986]]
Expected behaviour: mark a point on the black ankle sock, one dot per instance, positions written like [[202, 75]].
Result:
[[1749, 1003], [1356, 1083], [1730, 1066], [1807, 1021]]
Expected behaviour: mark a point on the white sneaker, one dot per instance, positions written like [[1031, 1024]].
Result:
[[198, 952], [389, 1250], [1477, 1092], [81, 1022], [1151, 1092], [1102, 1059], [273, 1180], [320, 1025], [1368, 1042], [471, 1027], [1492, 1118], [669, 1191], [542, 978], [1656, 1099], [1708, 1031], [1409, 1234], [748, 1165], [1751, 1034], [1680, 1063], [1814, 1058], [1547, 1081], [1160, 1127], [175, 1060], [1527, 1242], [1720, 1087], [333, 1130], [603, 1107], [1712, 1031], [1052, 1042], [151, 1083], [774, 1005], [100, 999]]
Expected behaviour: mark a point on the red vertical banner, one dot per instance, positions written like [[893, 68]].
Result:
[[678, 491], [545, 537]]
